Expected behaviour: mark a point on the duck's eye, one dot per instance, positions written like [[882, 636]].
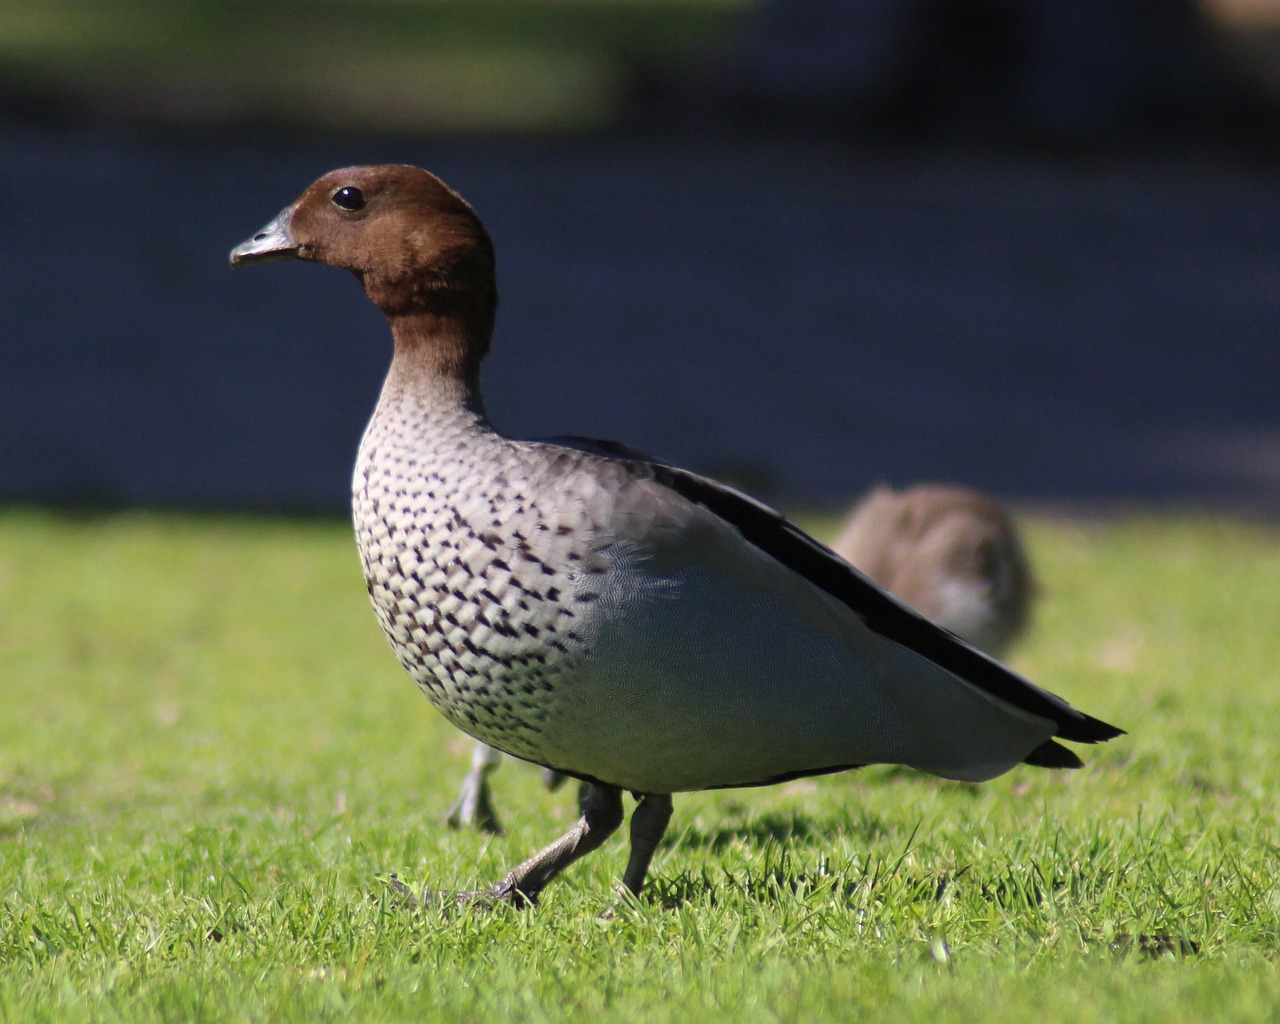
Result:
[[348, 198]]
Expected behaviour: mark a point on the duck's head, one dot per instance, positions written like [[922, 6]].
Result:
[[414, 243]]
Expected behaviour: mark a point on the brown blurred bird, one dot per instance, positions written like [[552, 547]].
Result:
[[951, 553]]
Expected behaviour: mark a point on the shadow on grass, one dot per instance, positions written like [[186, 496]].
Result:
[[778, 828]]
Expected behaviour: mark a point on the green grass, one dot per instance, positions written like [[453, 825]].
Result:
[[373, 65], [208, 757]]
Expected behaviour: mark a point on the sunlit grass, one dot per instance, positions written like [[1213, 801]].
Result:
[[209, 760]]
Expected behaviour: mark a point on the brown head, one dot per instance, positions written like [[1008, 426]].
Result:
[[418, 248]]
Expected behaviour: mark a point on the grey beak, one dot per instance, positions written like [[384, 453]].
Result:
[[271, 243]]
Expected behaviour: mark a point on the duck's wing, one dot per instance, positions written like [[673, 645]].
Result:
[[784, 541]]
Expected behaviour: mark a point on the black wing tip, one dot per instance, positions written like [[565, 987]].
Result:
[[1089, 730], [1053, 755]]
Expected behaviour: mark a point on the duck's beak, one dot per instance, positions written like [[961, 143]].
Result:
[[274, 242]]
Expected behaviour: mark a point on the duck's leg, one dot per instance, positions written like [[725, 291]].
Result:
[[648, 825], [600, 819], [473, 807], [553, 780]]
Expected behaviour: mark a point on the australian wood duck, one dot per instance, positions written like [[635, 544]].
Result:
[[617, 619]]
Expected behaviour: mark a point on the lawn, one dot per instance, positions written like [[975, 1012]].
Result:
[[459, 66], [209, 762]]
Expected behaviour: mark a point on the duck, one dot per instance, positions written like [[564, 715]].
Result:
[[951, 552], [607, 615]]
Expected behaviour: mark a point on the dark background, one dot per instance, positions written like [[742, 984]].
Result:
[[1033, 247]]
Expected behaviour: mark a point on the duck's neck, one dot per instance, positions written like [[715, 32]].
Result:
[[437, 362]]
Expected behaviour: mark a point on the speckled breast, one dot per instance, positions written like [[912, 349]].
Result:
[[455, 558]]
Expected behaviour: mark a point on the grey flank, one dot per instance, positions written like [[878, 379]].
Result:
[[567, 608]]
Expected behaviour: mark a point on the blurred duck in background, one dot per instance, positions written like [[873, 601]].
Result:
[[951, 553]]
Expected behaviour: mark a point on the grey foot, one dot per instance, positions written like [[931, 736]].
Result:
[[447, 899], [401, 894], [525, 882], [473, 807]]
